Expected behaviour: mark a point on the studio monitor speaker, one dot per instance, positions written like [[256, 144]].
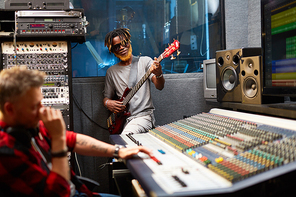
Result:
[[228, 72], [250, 80]]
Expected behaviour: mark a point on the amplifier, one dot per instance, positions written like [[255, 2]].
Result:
[[70, 24], [36, 4]]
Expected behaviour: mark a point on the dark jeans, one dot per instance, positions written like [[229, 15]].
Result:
[[95, 195]]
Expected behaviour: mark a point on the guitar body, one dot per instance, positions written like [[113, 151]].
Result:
[[116, 121]]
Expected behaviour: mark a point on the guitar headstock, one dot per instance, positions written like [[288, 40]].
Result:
[[173, 47]]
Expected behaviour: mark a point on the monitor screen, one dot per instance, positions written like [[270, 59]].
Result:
[[279, 47], [209, 71]]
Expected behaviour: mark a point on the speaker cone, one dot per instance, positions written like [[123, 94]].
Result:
[[250, 87], [249, 65], [229, 78]]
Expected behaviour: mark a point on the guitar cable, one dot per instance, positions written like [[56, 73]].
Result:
[[80, 109], [75, 155]]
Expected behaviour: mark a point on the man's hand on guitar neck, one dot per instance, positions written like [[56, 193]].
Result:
[[156, 68], [158, 78], [114, 105]]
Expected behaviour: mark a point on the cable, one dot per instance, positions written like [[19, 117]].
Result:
[[104, 165], [78, 166], [79, 107], [14, 47], [75, 155], [75, 45]]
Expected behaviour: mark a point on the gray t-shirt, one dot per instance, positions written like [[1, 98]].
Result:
[[116, 82]]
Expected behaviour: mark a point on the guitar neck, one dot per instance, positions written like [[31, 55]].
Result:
[[135, 89]]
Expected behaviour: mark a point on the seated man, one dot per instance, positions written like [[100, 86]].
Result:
[[34, 141], [125, 74]]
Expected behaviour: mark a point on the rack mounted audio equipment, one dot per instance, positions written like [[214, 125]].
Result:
[[51, 57], [67, 24], [36, 4]]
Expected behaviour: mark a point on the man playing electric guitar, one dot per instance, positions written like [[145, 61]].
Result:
[[136, 116]]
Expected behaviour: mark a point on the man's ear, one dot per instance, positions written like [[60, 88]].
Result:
[[9, 108]]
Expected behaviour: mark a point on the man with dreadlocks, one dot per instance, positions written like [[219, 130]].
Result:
[[127, 73]]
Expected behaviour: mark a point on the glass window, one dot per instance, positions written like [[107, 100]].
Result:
[[153, 24]]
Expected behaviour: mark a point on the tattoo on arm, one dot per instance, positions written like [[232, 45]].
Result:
[[81, 142], [92, 146], [100, 149]]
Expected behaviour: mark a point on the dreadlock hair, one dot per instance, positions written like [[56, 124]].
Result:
[[123, 34]]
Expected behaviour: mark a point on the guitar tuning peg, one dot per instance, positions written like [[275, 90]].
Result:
[[172, 57], [178, 52]]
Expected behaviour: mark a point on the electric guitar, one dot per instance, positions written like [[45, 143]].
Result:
[[116, 121]]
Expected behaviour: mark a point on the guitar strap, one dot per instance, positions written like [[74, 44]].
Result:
[[133, 72]]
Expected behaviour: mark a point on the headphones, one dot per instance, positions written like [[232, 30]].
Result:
[[22, 135], [23, 141]]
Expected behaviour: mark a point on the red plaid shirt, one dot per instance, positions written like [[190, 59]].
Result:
[[23, 172]]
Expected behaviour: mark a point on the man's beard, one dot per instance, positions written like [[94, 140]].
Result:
[[126, 57], [27, 125]]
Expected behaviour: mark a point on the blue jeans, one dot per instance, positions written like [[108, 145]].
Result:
[[108, 195], [77, 194]]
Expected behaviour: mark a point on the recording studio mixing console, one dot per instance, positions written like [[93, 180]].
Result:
[[219, 152]]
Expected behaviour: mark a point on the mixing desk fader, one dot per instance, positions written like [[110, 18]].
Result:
[[213, 153], [51, 57]]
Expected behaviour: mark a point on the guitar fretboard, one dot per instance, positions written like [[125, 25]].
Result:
[[139, 84]]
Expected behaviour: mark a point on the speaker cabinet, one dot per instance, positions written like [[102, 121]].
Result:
[[251, 80], [228, 72]]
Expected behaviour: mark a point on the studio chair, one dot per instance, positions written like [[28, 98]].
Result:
[[90, 184]]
